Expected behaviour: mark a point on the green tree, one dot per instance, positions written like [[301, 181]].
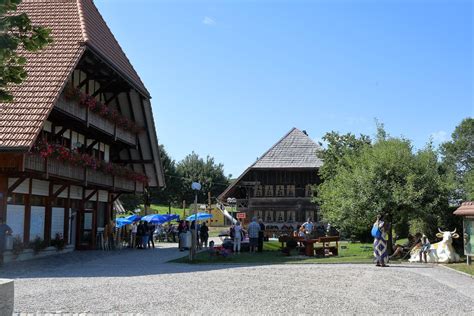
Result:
[[206, 171], [17, 34], [385, 177], [458, 157], [171, 193]]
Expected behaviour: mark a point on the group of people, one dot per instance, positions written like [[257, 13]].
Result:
[[255, 232], [185, 227], [141, 235], [380, 233]]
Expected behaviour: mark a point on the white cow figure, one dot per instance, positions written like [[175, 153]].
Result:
[[441, 252]]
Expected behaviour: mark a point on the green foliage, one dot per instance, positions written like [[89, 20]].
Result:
[[458, 157], [38, 244], [18, 246], [211, 176], [171, 193], [17, 33], [385, 177], [58, 242]]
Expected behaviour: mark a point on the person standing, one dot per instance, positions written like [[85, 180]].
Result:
[[379, 232], [253, 231], [133, 235], [204, 231], [146, 235], [140, 233], [308, 226], [261, 235], [5, 231], [237, 237], [151, 231]]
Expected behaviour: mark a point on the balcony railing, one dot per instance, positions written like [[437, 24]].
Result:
[[54, 167], [124, 184], [65, 170], [100, 178], [73, 108]]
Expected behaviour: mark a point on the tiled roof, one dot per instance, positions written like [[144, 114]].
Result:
[[294, 150], [75, 25]]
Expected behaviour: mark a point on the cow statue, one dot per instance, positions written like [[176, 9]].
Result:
[[441, 252]]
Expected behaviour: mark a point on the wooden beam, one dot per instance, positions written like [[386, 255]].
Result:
[[83, 82], [15, 185], [61, 132], [115, 197], [59, 191], [87, 198], [137, 161], [92, 145]]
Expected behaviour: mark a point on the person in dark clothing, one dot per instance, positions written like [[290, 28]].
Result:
[[140, 234], [151, 230], [204, 234], [4, 231], [181, 231], [261, 235]]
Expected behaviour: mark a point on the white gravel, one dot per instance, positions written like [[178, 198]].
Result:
[[141, 282]]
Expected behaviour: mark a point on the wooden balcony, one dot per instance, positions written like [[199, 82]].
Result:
[[72, 108], [64, 170], [99, 178], [124, 184]]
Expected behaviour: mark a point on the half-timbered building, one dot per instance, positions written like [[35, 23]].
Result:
[[79, 133], [278, 186]]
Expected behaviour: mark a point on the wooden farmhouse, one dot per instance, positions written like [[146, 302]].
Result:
[[79, 133], [277, 187]]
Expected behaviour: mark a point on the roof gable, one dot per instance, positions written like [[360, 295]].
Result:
[[294, 150], [75, 25]]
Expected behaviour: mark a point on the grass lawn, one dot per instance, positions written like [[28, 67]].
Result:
[[348, 253], [463, 267]]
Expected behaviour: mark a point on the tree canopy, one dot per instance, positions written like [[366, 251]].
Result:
[[17, 31], [383, 177], [458, 154]]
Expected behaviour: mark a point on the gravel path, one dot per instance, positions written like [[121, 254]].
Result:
[[140, 281]]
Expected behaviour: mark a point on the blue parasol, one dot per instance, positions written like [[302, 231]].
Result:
[[171, 217], [154, 219], [200, 217], [120, 222]]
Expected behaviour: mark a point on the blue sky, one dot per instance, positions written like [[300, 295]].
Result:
[[230, 78]]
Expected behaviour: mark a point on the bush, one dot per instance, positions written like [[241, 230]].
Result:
[[38, 244], [58, 242], [18, 246]]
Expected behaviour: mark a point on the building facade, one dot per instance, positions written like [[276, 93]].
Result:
[[79, 133], [278, 187]]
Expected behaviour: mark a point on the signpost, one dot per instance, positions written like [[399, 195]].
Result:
[[241, 215]]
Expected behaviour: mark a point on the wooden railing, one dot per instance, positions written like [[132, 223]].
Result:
[[124, 184], [73, 108], [54, 167], [100, 178], [65, 170]]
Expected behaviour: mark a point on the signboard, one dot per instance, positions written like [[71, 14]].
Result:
[[241, 215], [468, 236]]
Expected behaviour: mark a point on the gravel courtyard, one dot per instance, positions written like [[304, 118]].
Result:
[[140, 281]]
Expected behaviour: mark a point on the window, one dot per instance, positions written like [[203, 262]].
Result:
[[308, 190], [268, 216], [269, 190], [280, 190], [37, 200], [259, 191], [290, 190]]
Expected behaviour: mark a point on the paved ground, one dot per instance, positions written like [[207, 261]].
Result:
[[140, 281]]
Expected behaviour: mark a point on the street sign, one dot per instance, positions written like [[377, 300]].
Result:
[[241, 215]]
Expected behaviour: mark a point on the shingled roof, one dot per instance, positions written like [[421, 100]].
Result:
[[294, 150], [76, 26]]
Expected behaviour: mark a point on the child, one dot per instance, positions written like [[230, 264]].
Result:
[[425, 248]]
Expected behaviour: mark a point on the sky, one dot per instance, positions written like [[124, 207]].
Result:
[[230, 78]]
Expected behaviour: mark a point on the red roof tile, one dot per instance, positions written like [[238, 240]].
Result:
[[75, 25]]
